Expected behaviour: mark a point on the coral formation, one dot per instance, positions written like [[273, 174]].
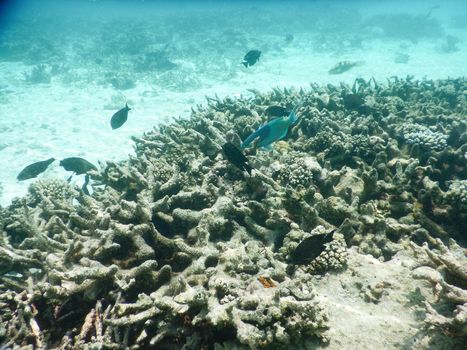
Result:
[[298, 170], [51, 189], [334, 257], [445, 268], [422, 136], [40, 74], [177, 248]]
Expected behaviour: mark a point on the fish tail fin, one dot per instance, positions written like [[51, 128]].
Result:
[[293, 115], [248, 168], [126, 106], [245, 63], [330, 236]]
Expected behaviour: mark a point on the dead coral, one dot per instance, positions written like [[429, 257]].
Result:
[[173, 244], [446, 269]]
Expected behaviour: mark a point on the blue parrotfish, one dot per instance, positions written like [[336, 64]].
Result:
[[272, 131]]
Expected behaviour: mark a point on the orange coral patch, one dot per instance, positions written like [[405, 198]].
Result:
[[267, 282]]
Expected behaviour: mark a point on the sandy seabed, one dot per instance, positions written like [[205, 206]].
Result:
[[55, 120]]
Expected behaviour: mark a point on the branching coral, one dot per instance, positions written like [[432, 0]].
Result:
[[177, 248], [299, 170], [40, 74], [424, 137], [446, 269]]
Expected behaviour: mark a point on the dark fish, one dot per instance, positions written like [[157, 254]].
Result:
[[431, 10], [310, 248], [251, 58], [34, 169], [289, 38], [85, 185], [120, 117], [236, 157], [353, 101], [77, 165], [344, 66], [276, 111]]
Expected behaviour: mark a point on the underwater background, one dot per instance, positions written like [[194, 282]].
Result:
[[233, 174], [66, 66]]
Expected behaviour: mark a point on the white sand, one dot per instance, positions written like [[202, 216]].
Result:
[[389, 322]]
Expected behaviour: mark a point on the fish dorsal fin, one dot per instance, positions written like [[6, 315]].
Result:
[[293, 114]]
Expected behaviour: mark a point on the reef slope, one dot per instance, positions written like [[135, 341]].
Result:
[[176, 248]]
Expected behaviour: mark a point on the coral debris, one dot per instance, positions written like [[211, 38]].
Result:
[[172, 251]]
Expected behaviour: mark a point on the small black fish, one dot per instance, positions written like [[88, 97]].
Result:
[[34, 169], [344, 66], [353, 101], [77, 165], [276, 111], [85, 185], [236, 157], [251, 58], [120, 117], [310, 248]]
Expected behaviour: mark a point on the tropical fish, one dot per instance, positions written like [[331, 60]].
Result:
[[120, 117], [251, 58], [77, 165], [344, 66], [85, 185], [310, 248], [289, 38], [236, 157], [276, 111], [34, 169], [353, 101], [272, 131]]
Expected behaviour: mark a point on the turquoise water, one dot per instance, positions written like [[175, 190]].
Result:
[[208, 175]]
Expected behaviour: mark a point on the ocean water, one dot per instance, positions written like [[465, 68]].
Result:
[[348, 232], [67, 66]]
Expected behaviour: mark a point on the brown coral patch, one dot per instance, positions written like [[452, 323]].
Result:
[[267, 282]]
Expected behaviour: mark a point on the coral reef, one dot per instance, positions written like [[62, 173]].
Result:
[[177, 248], [40, 74], [445, 268], [423, 137], [332, 258], [298, 170]]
